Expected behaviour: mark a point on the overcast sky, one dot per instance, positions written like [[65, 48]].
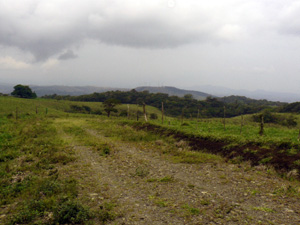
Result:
[[240, 44]]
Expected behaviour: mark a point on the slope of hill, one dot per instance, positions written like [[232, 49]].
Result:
[[173, 91], [234, 99]]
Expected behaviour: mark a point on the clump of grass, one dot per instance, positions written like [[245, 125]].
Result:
[[204, 202], [191, 210], [266, 160], [264, 209], [71, 212], [141, 172], [106, 213], [104, 149], [166, 179]]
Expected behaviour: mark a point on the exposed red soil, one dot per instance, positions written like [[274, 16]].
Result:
[[274, 155]]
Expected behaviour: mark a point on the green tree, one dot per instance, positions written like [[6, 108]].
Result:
[[22, 91], [110, 104]]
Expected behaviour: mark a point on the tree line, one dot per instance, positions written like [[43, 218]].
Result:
[[176, 106]]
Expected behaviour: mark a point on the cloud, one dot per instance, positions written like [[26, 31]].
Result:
[[49, 28], [50, 63], [67, 55], [11, 63], [289, 22]]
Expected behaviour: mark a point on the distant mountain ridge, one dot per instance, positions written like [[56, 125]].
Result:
[[173, 91], [71, 90], [198, 92], [257, 94]]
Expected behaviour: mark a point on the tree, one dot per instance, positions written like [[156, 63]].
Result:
[[22, 91], [110, 104]]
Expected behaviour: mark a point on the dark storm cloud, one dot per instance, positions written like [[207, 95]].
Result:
[[50, 28]]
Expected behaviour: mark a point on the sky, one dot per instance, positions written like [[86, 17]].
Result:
[[237, 44]]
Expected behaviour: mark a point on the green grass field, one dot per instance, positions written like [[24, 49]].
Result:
[[40, 182]]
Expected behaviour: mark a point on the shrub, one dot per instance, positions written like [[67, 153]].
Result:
[[269, 117], [153, 116], [71, 212], [123, 113]]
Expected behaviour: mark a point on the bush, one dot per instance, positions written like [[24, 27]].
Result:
[[123, 113], [269, 117], [80, 109], [71, 212], [98, 112], [153, 116]]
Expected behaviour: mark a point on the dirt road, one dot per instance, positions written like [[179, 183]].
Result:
[[143, 183]]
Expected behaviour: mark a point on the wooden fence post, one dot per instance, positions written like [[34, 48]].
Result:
[[224, 117], [197, 124], [162, 112], [242, 123], [128, 111], [137, 112], [261, 130], [182, 113], [144, 110]]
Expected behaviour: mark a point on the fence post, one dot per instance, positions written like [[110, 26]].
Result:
[[144, 110], [137, 112], [128, 111], [261, 131], [182, 112], [197, 124], [162, 112], [242, 123], [224, 117]]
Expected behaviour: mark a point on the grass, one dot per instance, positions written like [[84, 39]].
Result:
[[33, 190], [31, 152]]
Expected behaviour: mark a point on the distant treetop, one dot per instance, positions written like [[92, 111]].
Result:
[[22, 91]]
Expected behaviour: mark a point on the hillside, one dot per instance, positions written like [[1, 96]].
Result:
[[233, 99], [173, 91], [73, 168]]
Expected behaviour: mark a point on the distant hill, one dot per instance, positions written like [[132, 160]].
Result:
[[233, 99], [6, 88], [173, 91], [257, 94], [70, 90]]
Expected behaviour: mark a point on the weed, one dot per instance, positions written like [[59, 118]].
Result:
[[264, 209], [104, 149], [191, 186], [161, 203], [266, 160], [166, 179], [141, 172], [71, 212], [192, 211], [106, 213], [204, 202]]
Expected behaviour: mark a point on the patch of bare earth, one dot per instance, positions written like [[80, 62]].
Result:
[[148, 188]]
